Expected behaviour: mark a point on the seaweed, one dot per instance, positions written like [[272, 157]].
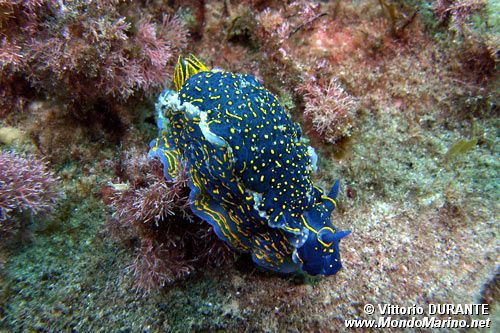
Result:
[[390, 10], [460, 147]]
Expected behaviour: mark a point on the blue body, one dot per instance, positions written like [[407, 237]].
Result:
[[249, 171]]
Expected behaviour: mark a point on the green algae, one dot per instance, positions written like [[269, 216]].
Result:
[[415, 222], [72, 277], [460, 147]]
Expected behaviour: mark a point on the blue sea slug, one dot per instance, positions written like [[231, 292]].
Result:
[[249, 169]]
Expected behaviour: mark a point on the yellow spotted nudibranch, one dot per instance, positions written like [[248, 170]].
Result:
[[249, 170]]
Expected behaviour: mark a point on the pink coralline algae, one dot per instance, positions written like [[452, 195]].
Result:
[[84, 51], [459, 12], [329, 107], [154, 214], [26, 185]]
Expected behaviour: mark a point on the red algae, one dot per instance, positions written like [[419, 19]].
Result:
[[391, 88]]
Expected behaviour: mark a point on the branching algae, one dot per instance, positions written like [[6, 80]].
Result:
[[249, 170]]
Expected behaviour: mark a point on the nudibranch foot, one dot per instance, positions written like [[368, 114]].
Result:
[[208, 210], [168, 155], [274, 264]]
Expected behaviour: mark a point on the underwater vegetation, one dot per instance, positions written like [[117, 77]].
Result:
[[461, 147], [329, 107], [84, 53], [27, 185], [148, 210], [398, 99]]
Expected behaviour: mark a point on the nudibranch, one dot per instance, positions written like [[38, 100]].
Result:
[[249, 170]]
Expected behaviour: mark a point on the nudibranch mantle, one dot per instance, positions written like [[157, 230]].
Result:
[[249, 169]]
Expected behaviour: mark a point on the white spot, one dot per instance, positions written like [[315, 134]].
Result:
[[257, 198], [209, 136], [314, 158]]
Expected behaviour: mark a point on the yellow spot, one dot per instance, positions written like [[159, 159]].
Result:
[[233, 115]]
